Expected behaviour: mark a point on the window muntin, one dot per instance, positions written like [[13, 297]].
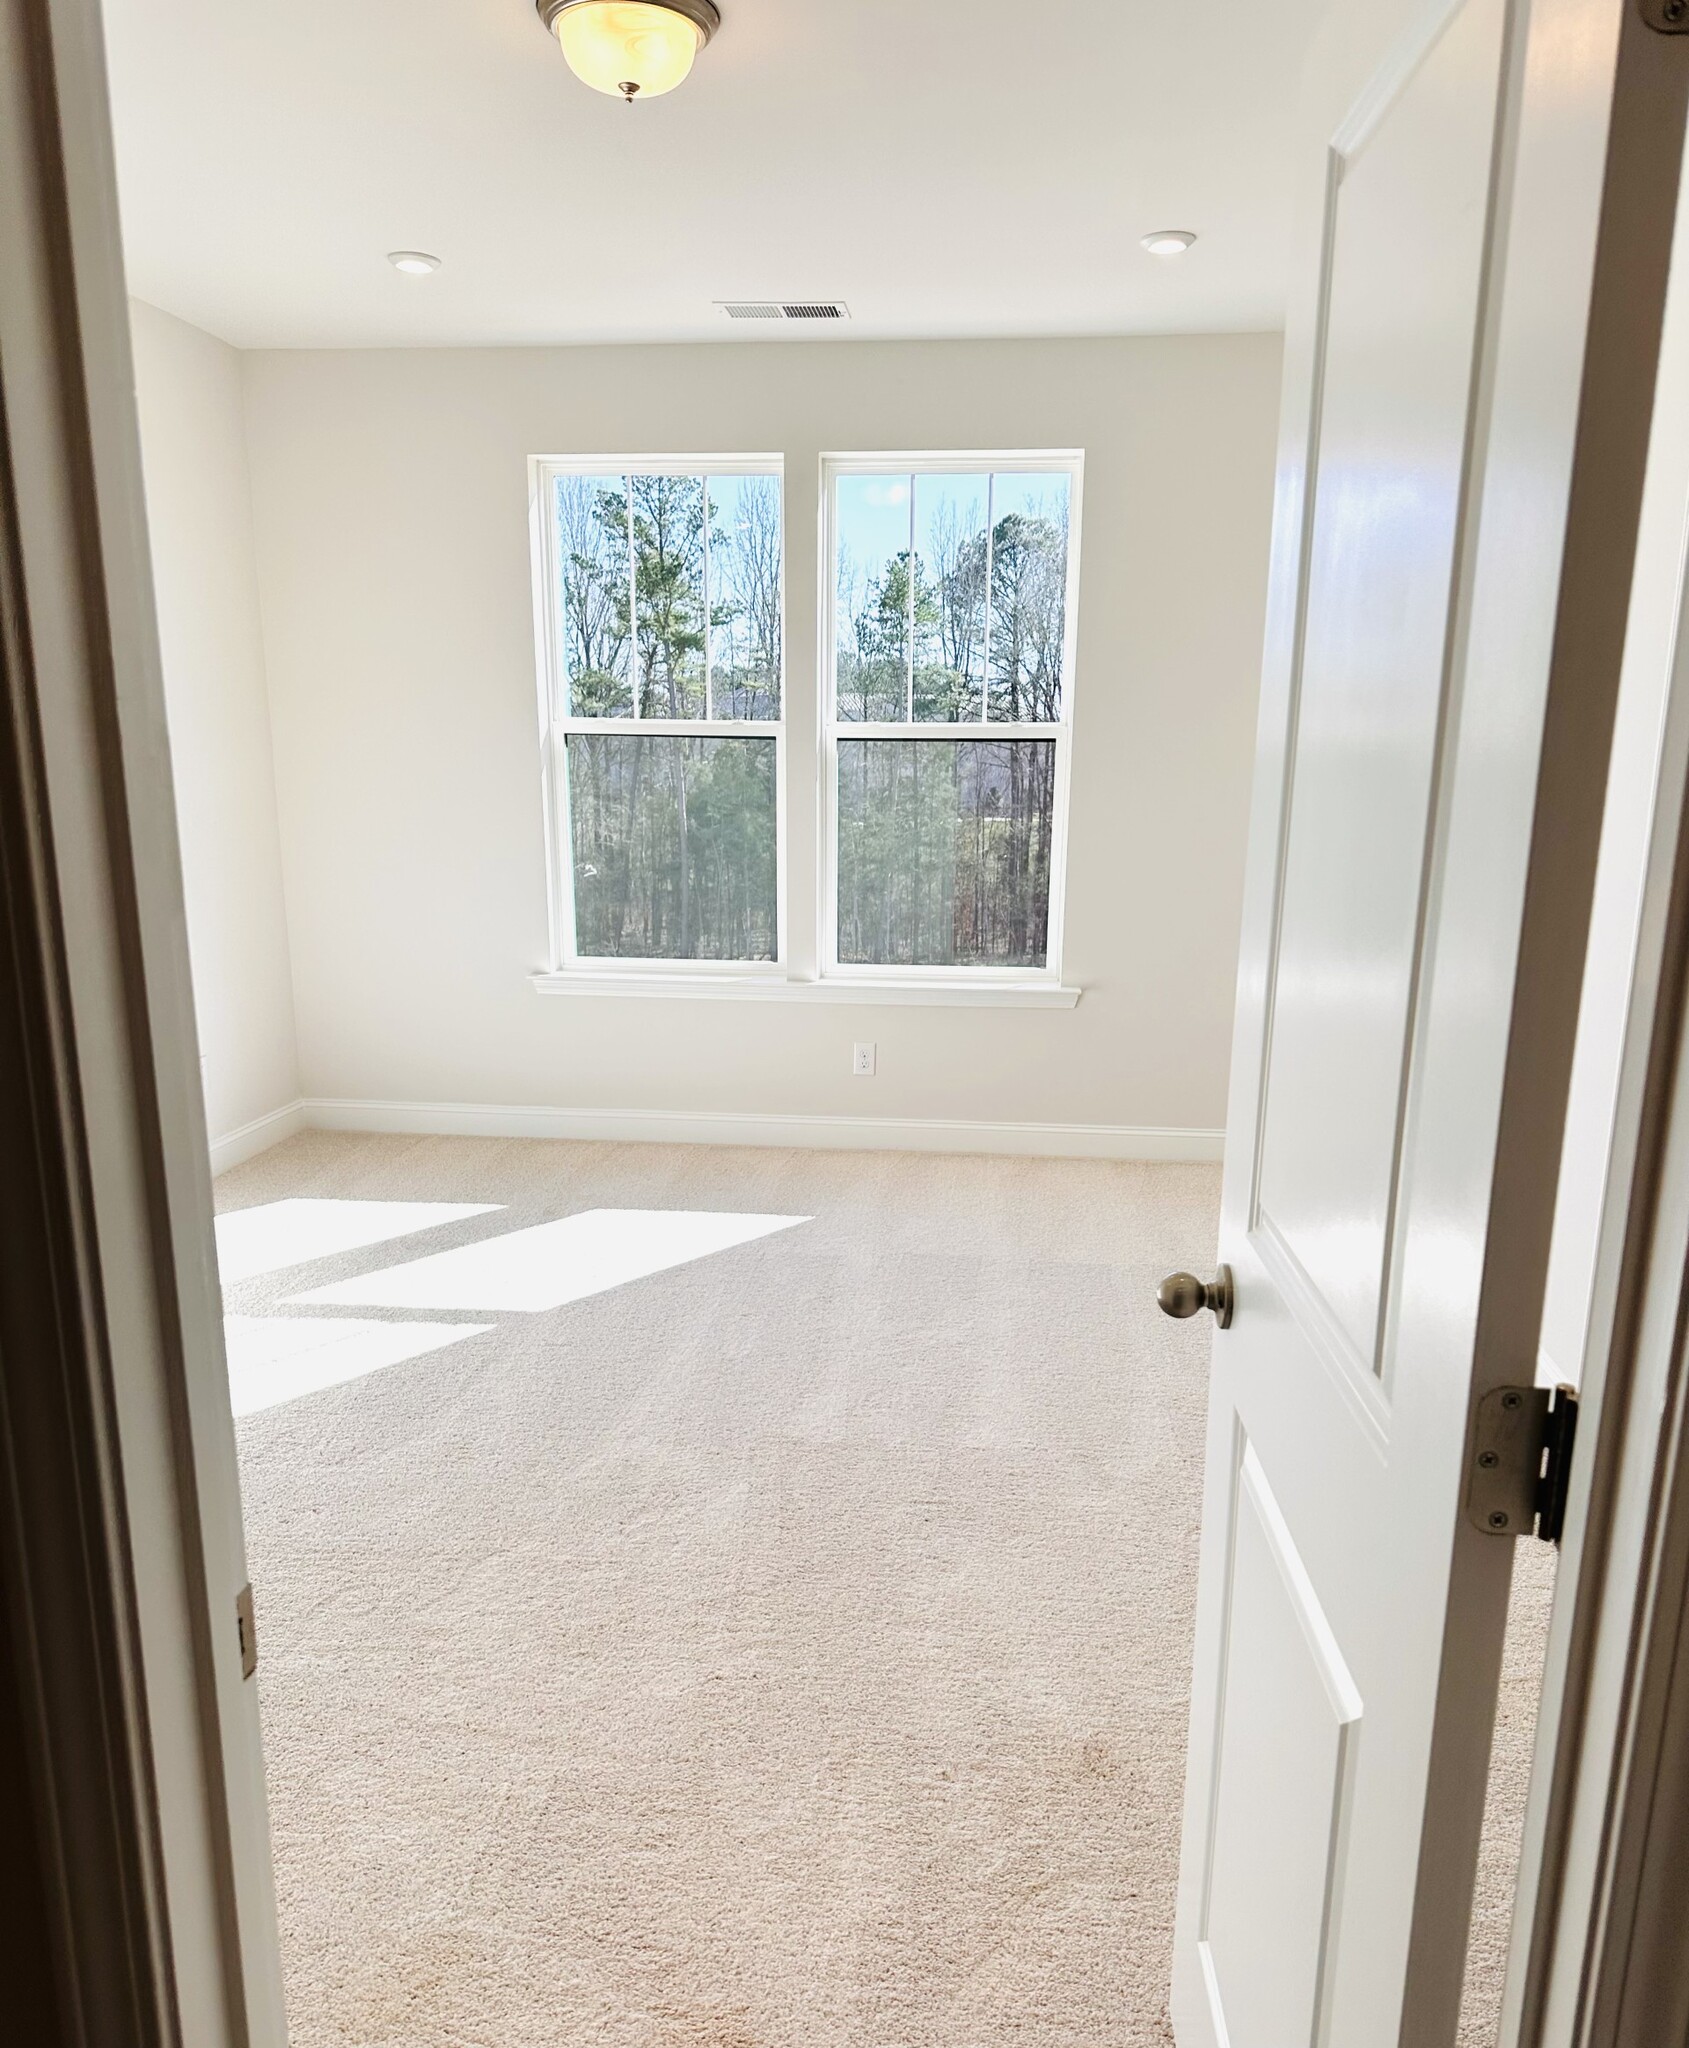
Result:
[[662, 594], [947, 713]]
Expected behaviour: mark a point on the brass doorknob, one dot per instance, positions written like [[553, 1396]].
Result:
[[1182, 1294]]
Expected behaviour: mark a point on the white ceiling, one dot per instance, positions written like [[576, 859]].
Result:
[[947, 167]]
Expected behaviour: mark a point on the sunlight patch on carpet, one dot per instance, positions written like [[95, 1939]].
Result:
[[552, 1263], [273, 1359], [277, 1234]]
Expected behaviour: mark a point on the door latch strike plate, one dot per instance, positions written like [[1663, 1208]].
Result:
[[246, 1622], [1521, 1460]]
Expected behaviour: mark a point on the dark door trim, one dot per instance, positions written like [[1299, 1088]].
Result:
[[79, 1847]]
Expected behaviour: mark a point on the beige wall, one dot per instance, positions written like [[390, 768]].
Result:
[[193, 447], [390, 496]]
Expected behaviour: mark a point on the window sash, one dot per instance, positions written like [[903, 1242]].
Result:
[[566, 953], [625, 468], [973, 730], [678, 728], [833, 969]]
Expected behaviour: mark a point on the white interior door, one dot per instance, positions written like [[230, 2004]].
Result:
[[1467, 381]]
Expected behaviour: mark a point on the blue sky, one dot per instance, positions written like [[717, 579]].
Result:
[[873, 511], [873, 519]]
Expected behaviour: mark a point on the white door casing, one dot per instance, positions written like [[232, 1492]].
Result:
[[1595, 1946], [1468, 361], [174, 1528]]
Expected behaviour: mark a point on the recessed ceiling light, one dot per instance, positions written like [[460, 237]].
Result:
[[1169, 241], [637, 48], [413, 262]]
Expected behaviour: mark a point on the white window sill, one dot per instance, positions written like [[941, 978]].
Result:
[[778, 988]]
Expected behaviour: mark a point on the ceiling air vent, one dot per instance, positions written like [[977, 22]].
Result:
[[779, 309]]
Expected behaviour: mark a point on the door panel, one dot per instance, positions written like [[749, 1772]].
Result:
[[1469, 375], [1289, 1719], [1404, 264]]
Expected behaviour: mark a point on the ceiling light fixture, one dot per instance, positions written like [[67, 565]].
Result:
[[638, 48], [413, 262], [1169, 241]]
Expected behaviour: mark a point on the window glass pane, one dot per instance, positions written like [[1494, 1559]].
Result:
[[592, 583], [668, 564], [673, 843], [745, 543], [950, 551], [1028, 594], [944, 852], [872, 597]]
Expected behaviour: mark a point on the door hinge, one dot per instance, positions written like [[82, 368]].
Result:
[[1521, 1461], [246, 1622], [1670, 17]]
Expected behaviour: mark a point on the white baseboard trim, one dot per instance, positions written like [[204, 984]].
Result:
[[234, 1148], [705, 1127]]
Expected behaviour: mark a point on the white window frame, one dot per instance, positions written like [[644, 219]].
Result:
[[1045, 461], [557, 723]]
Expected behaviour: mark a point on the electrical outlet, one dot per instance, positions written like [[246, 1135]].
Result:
[[862, 1057]]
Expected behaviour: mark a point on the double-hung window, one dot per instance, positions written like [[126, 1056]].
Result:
[[661, 627], [947, 682], [934, 778]]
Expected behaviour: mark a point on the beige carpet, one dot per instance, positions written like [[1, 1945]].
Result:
[[1510, 1772], [786, 1650]]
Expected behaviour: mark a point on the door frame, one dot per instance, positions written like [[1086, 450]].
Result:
[[80, 1850], [1596, 1955], [128, 1711]]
